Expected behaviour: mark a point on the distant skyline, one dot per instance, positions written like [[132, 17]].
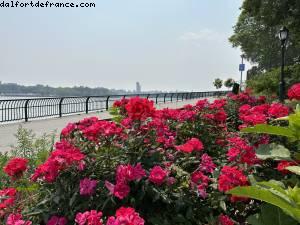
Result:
[[166, 45]]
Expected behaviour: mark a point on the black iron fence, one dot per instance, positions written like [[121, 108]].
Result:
[[33, 108]]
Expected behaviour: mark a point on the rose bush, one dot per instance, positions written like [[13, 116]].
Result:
[[149, 166]]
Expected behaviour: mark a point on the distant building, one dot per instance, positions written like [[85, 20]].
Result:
[[138, 88]]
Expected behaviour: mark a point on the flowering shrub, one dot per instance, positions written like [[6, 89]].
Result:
[[7, 197], [149, 166], [126, 216], [294, 92], [65, 155], [191, 145], [16, 219], [15, 167]]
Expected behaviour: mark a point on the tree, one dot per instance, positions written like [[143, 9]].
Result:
[[229, 83], [253, 72], [218, 83], [257, 27], [267, 83]]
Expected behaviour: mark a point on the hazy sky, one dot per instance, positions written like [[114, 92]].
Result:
[[163, 44]]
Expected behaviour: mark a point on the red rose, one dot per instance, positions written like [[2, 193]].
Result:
[[15, 167], [120, 190], [294, 92], [55, 220], [220, 116], [207, 165], [194, 144], [278, 110], [139, 108], [126, 216], [126, 173], [64, 156], [157, 175], [225, 220], [14, 219], [92, 217], [283, 164], [198, 177], [68, 129], [7, 197], [231, 177], [261, 99]]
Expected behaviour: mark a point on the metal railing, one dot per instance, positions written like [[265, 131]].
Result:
[[33, 108]]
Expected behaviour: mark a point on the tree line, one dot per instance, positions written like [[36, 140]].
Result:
[[45, 90]]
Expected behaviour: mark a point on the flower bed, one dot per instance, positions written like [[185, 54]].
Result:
[[151, 166]]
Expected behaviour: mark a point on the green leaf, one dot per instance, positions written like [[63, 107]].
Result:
[[297, 110], [33, 187], [271, 215], [223, 205], [255, 219], [294, 193], [265, 195], [73, 198], [276, 185], [268, 129], [294, 169], [273, 151]]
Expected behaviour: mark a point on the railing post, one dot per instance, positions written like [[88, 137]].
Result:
[[182, 96], [60, 107], [26, 110], [165, 98], [172, 97], [148, 96], [87, 105], [177, 95], [107, 103], [156, 99]]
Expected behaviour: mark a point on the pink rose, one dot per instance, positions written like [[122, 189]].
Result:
[[87, 186]]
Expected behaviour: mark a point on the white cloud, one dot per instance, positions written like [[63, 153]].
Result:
[[204, 35]]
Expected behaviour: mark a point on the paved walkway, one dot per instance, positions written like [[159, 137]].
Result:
[[47, 126]]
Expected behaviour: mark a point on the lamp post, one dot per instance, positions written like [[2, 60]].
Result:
[[242, 68], [283, 36]]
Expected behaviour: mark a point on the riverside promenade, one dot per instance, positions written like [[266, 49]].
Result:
[[42, 126]]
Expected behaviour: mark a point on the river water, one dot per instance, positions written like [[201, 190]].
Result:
[[16, 97]]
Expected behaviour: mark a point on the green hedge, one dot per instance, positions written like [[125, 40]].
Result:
[[268, 83]]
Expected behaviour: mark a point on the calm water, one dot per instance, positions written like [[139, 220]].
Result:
[[16, 97]]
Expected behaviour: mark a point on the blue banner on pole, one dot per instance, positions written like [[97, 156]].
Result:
[[242, 67]]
